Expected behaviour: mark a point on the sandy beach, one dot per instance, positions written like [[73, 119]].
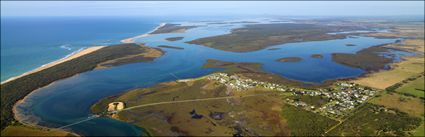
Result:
[[70, 57], [131, 40]]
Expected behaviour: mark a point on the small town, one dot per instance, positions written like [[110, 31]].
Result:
[[235, 82], [341, 98]]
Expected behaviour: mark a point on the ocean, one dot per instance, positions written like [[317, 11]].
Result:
[[29, 42]]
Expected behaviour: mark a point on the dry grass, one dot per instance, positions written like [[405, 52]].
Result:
[[410, 67], [410, 105]]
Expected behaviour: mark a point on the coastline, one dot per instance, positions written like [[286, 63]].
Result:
[[71, 56], [79, 53], [132, 39], [28, 119], [20, 118]]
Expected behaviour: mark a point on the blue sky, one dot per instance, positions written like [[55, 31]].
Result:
[[211, 8]]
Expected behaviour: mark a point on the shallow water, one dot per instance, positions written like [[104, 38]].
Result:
[[69, 100]]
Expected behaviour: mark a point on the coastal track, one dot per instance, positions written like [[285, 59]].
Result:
[[78, 122]]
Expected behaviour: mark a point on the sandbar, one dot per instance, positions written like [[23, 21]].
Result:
[[132, 39]]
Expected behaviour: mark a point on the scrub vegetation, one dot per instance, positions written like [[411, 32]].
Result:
[[368, 59], [375, 120], [305, 123]]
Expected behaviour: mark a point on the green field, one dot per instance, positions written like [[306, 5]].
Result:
[[415, 88]]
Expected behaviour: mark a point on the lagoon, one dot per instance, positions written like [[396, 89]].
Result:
[[67, 101]]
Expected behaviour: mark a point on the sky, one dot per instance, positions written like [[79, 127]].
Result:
[[211, 8]]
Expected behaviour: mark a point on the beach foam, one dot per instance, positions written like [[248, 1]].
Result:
[[66, 46]]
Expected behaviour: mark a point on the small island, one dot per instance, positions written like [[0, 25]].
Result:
[[290, 59], [233, 66], [317, 56], [174, 38], [273, 48], [170, 47], [349, 44]]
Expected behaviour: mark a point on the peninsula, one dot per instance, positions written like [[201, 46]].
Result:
[[92, 58]]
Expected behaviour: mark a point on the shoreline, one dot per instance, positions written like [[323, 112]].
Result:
[[68, 57], [132, 39], [78, 53], [31, 120], [19, 117]]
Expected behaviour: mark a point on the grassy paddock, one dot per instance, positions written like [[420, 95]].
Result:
[[415, 88], [410, 105], [420, 131]]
